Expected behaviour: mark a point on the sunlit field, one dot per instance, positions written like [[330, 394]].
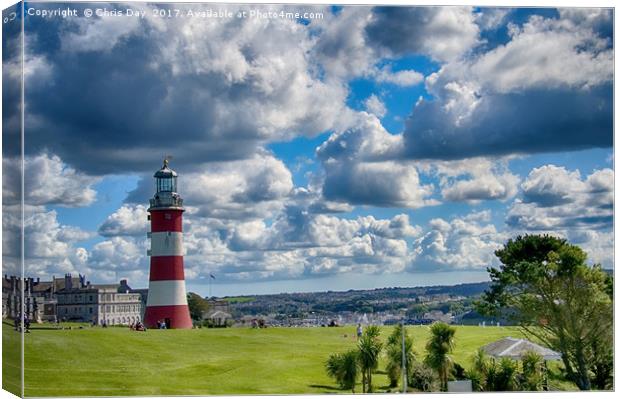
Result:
[[116, 361]]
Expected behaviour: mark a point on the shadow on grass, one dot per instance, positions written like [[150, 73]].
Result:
[[336, 389]]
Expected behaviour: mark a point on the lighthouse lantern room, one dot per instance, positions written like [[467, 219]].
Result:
[[166, 301]]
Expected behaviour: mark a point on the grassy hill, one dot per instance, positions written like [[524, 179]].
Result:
[[117, 361]]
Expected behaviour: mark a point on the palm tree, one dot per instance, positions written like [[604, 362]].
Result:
[[533, 374], [394, 350], [479, 370], [369, 349], [438, 348], [343, 367], [502, 376]]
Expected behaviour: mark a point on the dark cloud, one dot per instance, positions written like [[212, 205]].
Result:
[[11, 82], [533, 121], [355, 172], [385, 184], [117, 97], [112, 111], [444, 33]]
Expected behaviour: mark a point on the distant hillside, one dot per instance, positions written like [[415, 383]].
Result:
[[364, 301]]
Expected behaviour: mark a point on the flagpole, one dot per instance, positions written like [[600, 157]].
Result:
[[211, 278]]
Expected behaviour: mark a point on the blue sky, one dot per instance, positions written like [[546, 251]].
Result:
[[372, 147]]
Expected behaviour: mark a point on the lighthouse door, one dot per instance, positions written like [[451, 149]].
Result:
[[168, 323]]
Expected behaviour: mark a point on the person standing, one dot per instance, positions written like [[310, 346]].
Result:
[[359, 330]]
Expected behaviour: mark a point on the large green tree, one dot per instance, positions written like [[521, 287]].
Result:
[[438, 348], [197, 306], [550, 291]]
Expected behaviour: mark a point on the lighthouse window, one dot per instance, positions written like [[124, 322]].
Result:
[[167, 184]]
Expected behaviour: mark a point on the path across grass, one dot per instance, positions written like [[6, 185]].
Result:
[[116, 361]]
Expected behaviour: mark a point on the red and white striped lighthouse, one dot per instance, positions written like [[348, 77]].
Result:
[[166, 301]]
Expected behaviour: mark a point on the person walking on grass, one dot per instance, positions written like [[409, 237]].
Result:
[[359, 330]]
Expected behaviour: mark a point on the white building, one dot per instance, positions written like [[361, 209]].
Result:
[[110, 304]]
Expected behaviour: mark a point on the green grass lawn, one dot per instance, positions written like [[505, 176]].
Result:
[[117, 361], [11, 359]]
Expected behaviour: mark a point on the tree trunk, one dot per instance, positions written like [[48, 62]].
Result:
[[569, 368], [583, 380], [442, 378], [363, 381]]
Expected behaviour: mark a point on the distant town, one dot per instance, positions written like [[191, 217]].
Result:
[[75, 299]]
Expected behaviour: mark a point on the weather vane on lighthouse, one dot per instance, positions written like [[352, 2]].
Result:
[[166, 301]]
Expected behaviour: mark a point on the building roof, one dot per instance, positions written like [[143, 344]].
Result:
[[36, 287], [103, 288], [42, 286], [515, 348], [59, 283], [218, 314]]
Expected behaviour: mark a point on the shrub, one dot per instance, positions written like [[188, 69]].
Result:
[[343, 367], [458, 372], [422, 378]]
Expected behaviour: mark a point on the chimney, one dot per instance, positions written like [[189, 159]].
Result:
[[68, 281]]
